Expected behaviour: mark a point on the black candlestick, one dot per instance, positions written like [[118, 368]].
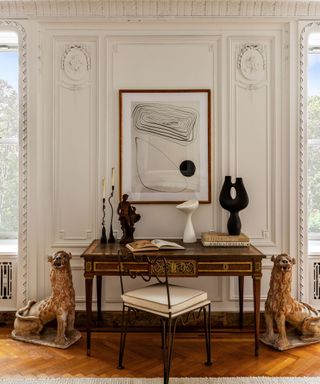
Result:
[[103, 238], [111, 237]]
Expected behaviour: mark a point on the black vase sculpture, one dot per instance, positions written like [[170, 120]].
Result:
[[233, 205]]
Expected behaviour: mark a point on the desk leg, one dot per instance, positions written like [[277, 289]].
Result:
[[99, 288], [256, 298], [241, 284], [89, 312]]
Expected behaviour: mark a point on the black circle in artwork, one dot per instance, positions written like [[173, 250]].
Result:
[[187, 168]]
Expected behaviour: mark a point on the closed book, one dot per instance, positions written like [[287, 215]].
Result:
[[224, 237], [225, 243]]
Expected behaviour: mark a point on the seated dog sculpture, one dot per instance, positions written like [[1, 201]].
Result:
[[282, 307], [30, 320]]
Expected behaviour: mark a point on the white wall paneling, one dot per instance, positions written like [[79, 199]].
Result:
[[158, 62], [83, 64], [255, 132], [75, 141]]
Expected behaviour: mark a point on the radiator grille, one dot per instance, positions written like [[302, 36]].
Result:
[[5, 280]]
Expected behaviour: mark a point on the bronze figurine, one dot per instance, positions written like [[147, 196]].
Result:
[[128, 217]]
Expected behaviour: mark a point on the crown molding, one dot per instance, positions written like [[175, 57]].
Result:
[[113, 9]]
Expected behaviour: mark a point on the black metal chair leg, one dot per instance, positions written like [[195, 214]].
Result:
[[162, 335], [124, 328], [171, 334], [165, 351], [207, 330]]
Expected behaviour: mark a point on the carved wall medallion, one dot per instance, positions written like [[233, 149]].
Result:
[[76, 62], [251, 61]]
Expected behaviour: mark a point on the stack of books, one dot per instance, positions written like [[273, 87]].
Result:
[[219, 239]]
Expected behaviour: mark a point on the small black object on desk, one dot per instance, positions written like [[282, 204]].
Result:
[[111, 237], [103, 239]]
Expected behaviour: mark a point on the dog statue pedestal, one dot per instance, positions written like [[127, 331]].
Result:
[[294, 340], [47, 337], [30, 321]]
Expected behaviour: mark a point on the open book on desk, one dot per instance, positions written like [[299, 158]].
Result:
[[152, 245]]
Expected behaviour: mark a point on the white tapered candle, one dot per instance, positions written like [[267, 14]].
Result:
[[112, 178], [103, 188]]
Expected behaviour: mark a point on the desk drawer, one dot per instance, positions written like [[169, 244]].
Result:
[[175, 268], [113, 267], [224, 267]]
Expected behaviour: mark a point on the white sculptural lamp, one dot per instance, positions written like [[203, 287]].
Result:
[[188, 207]]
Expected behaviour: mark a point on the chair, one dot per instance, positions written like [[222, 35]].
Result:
[[171, 303]]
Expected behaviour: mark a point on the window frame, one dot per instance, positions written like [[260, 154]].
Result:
[[7, 237], [313, 238]]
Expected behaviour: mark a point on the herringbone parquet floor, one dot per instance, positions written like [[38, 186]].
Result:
[[233, 355]]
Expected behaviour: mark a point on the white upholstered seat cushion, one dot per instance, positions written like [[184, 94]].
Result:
[[153, 298]]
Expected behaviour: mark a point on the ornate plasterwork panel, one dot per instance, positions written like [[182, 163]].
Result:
[[75, 126], [19, 29], [252, 62], [252, 117], [158, 8], [76, 62]]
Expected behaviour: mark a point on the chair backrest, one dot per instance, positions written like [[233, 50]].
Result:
[[152, 267]]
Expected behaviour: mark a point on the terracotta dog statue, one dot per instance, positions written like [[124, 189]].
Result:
[[31, 319], [281, 307]]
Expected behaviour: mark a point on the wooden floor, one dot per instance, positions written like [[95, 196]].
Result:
[[233, 355]]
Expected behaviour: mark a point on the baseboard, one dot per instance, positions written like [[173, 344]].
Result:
[[144, 322]]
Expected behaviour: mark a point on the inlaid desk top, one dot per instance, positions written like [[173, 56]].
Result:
[[194, 260]]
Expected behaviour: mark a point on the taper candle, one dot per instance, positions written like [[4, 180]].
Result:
[[112, 178], [103, 188]]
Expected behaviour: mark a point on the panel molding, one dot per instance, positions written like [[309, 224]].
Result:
[[73, 73], [158, 8], [252, 63]]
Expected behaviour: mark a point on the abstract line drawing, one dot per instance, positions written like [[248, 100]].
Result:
[[165, 145], [166, 179], [168, 121]]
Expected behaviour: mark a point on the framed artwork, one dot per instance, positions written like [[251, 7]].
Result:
[[165, 145]]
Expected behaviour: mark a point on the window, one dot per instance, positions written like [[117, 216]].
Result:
[[9, 140], [313, 137]]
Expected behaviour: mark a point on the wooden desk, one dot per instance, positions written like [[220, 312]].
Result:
[[196, 260]]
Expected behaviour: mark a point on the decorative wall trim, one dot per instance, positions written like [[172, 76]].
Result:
[[74, 70], [76, 62], [22, 262], [251, 61], [302, 250], [158, 8]]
